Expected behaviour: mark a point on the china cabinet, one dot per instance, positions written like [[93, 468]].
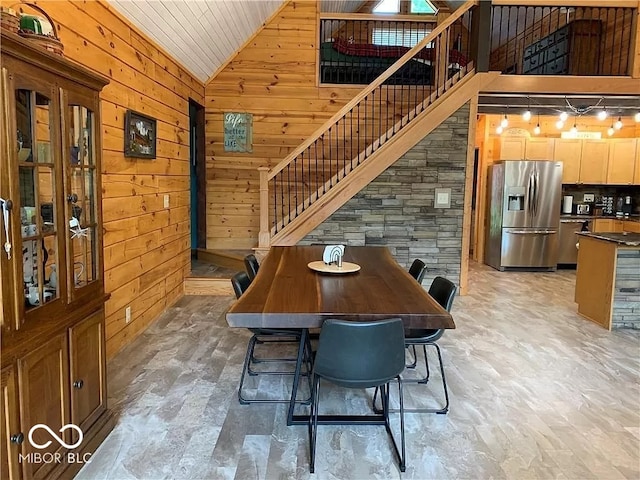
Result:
[[51, 282]]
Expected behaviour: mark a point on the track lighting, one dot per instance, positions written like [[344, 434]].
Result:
[[505, 122], [526, 116], [602, 115], [499, 130], [636, 117], [564, 116], [537, 129], [611, 130], [574, 129], [559, 124]]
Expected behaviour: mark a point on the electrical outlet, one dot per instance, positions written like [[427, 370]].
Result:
[[588, 197], [166, 201], [127, 314]]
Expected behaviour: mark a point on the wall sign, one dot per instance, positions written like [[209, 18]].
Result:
[[238, 132], [596, 135]]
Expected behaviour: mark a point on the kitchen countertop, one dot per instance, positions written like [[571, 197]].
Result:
[[631, 218], [626, 239]]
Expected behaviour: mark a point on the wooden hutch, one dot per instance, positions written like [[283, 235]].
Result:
[[51, 268]]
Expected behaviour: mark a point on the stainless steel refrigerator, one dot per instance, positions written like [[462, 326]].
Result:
[[523, 214]]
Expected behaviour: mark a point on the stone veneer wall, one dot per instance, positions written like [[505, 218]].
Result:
[[396, 209], [626, 300]]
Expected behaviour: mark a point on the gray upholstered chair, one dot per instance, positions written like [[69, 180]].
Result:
[[359, 355]]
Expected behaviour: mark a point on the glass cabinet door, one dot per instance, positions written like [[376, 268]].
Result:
[[38, 184], [81, 196]]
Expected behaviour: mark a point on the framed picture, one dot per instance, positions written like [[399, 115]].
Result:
[[139, 135]]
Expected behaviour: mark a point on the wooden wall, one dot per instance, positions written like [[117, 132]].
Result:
[[146, 246], [274, 78]]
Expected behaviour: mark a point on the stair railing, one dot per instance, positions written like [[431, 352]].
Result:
[[366, 123]]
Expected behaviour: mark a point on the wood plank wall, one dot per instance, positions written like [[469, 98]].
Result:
[[146, 247], [274, 78]]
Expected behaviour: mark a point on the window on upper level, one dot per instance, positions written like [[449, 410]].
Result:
[[403, 38], [423, 7]]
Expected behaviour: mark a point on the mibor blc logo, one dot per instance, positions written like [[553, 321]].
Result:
[[56, 457], [53, 434]]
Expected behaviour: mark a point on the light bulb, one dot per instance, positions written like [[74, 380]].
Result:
[[574, 129], [637, 117], [537, 129], [559, 124], [499, 130], [618, 124], [526, 116], [505, 122], [564, 116], [611, 131], [602, 115]]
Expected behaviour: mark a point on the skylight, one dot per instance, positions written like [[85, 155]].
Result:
[[422, 6], [416, 7], [387, 6]]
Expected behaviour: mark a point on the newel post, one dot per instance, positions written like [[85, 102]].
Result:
[[264, 237]]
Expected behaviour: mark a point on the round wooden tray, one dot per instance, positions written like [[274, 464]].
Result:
[[320, 266]]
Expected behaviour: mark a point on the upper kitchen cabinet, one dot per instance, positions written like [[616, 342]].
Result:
[[538, 149], [569, 152], [584, 161], [622, 159], [521, 148], [593, 161]]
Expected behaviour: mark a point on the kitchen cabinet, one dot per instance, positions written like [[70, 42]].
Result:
[[584, 161], [569, 152], [621, 162], [512, 148], [593, 161], [633, 227], [52, 285], [522, 148], [538, 149], [608, 225]]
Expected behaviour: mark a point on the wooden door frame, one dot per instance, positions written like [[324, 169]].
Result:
[[201, 171]]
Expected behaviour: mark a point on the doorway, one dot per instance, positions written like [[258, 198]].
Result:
[[198, 177]]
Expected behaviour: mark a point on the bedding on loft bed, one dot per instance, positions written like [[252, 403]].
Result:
[[346, 63]]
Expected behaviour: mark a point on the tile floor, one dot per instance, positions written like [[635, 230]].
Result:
[[537, 392]]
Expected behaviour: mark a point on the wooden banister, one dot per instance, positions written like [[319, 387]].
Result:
[[264, 236], [373, 86]]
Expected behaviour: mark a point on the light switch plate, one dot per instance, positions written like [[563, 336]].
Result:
[[442, 198], [588, 197], [166, 201]]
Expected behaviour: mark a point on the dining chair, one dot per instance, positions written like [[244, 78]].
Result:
[[359, 355], [251, 265], [241, 282], [417, 270], [443, 291]]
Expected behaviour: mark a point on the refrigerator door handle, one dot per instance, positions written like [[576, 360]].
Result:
[[530, 195], [531, 232], [536, 182]]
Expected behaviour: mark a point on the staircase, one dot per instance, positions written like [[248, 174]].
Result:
[[387, 118]]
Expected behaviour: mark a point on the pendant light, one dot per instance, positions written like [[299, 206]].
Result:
[[536, 130]]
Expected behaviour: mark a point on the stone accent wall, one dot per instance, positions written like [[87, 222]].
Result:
[[626, 300], [396, 209]]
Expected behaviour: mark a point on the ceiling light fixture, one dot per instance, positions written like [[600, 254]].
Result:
[[526, 116], [636, 117], [505, 122], [563, 117], [602, 115], [618, 124], [536, 130], [611, 130], [574, 129], [559, 124], [499, 130]]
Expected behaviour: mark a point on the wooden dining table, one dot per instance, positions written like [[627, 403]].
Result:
[[286, 293]]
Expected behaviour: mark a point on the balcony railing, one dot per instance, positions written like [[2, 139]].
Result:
[[553, 40]]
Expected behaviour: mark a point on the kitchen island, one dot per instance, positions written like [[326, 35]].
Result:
[[608, 279]]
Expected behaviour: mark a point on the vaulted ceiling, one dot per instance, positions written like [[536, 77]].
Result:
[[203, 34]]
